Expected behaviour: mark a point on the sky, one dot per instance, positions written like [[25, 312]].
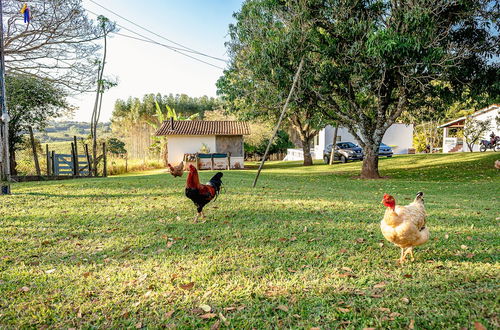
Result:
[[141, 68]]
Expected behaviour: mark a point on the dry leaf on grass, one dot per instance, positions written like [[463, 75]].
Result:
[[479, 326], [138, 325], [216, 325], [343, 310], [206, 308], [379, 285], [464, 247], [169, 314], [405, 300], [24, 289], [408, 275], [394, 314], [86, 274], [384, 309], [50, 271], [187, 286], [411, 326], [283, 308], [208, 316]]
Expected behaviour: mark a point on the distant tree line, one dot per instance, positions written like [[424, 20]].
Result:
[[132, 118]]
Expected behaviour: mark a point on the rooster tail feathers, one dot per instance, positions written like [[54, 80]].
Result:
[[216, 181]]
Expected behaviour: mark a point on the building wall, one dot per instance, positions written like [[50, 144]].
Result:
[[229, 143], [179, 145], [490, 116], [398, 135], [450, 144]]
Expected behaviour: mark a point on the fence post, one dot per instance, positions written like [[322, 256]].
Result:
[[77, 165], [47, 155], [88, 159], [53, 156], [73, 156], [105, 162]]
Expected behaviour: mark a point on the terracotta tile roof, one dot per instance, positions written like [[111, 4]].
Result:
[[202, 127]]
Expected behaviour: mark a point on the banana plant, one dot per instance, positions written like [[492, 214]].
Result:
[[160, 142]]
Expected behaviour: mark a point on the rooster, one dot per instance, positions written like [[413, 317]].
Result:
[[177, 170], [405, 225], [202, 194]]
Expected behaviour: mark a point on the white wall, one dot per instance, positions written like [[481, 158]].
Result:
[[398, 135], [180, 145], [490, 116]]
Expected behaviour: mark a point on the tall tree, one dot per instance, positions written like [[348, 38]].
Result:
[[56, 45], [379, 57], [32, 102], [102, 85], [268, 41]]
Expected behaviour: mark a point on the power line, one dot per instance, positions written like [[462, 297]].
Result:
[[177, 50], [156, 34], [149, 40]]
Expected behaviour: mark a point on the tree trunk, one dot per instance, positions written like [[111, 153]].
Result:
[[334, 143], [13, 163], [369, 169], [306, 148]]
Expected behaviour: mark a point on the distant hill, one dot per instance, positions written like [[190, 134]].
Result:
[[60, 131]]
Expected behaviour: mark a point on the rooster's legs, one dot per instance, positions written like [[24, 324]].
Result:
[[200, 214]]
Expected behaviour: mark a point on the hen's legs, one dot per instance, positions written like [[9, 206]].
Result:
[[410, 251], [402, 258]]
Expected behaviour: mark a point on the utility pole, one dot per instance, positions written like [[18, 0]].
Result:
[[4, 130]]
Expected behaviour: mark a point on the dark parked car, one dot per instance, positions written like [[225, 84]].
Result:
[[344, 151], [384, 150]]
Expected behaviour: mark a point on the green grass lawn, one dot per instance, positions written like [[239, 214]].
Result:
[[301, 250]]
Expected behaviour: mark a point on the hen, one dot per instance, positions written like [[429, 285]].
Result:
[[202, 194], [177, 170], [405, 225]]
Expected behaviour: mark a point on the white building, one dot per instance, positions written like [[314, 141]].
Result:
[[189, 137], [398, 136], [452, 143]]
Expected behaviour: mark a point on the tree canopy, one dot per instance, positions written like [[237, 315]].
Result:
[[56, 45], [31, 101], [367, 62], [267, 43]]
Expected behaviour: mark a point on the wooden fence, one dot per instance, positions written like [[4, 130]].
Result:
[[257, 158]]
